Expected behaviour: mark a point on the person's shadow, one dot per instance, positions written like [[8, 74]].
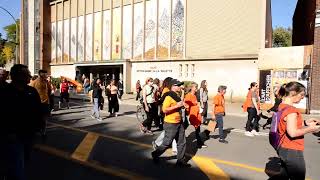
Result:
[[273, 167], [226, 132], [192, 146]]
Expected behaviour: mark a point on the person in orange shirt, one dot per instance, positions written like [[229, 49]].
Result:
[[194, 113], [292, 129], [219, 111]]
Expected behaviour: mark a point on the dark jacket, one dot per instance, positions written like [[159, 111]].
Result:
[[97, 91]]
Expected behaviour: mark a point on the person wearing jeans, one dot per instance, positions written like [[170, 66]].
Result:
[[219, 111], [204, 100], [96, 96], [149, 105], [253, 108], [173, 127]]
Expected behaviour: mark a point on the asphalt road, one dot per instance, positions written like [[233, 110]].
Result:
[[79, 147]]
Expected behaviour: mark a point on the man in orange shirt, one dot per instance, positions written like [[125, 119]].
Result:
[[219, 111]]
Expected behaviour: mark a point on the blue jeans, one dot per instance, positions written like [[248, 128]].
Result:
[[96, 111], [219, 119]]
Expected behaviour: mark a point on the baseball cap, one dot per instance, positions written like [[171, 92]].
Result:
[[175, 82]]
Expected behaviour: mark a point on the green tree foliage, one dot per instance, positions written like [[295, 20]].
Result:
[[282, 37], [8, 46]]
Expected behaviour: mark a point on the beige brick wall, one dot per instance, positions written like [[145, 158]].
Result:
[[218, 28]]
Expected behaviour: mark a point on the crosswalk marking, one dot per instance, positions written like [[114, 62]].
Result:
[[84, 149]]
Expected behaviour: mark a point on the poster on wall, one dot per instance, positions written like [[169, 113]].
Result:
[[150, 31], [53, 42], [177, 29], [265, 86], [89, 41], [81, 39], [59, 42], [127, 32], [138, 31], [73, 40], [97, 36], [164, 26], [106, 34], [66, 41], [116, 33]]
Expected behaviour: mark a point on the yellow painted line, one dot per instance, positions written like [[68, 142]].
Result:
[[106, 136], [84, 149], [210, 169], [115, 171]]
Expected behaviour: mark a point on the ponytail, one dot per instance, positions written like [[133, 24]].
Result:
[[293, 86]]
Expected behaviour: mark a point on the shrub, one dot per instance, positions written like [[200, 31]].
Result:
[[56, 82]]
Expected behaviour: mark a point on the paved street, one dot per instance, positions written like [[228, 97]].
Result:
[[79, 147]]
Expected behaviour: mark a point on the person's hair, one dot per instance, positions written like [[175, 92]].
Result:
[[293, 86], [166, 82], [203, 85], [193, 84], [156, 81], [221, 88], [17, 70], [42, 71], [148, 79], [253, 84]]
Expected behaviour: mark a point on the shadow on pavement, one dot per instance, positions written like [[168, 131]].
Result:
[[127, 113], [226, 132], [273, 166], [192, 147]]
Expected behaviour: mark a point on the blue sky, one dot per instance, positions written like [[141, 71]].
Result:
[[282, 12]]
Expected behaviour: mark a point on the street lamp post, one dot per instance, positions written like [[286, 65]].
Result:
[[17, 30]]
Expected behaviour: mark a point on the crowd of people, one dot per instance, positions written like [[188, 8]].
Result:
[[169, 104]]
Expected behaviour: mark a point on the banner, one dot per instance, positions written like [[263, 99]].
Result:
[[265, 86]]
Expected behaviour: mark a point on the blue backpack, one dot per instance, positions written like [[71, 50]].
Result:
[[274, 136]]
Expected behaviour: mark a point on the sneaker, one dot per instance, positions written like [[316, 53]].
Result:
[[154, 145], [142, 128], [116, 115], [183, 164], [155, 158], [92, 116], [223, 141], [254, 132], [248, 133], [99, 119], [174, 153]]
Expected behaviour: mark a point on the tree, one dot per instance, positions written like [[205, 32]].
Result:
[[8, 46], [8, 53], [282, 37], [11, 32]]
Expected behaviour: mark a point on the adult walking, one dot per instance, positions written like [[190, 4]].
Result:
[[64, 92], [252, 106], [173, 126], [138, 90], [120, 89], [97, 99], [219, 111], [44, 89], [113, 99], [292, 129], [21, 111], [203, 99], [86, 85], [193, 112], [52, 90], [150, 106]]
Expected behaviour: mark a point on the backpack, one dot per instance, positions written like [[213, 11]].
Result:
[[274, 136], [198, 95]]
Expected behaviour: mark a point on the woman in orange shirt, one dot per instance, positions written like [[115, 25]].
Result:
[[194, 113], [292, 129]]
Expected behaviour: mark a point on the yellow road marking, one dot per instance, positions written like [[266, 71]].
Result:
[[115, 171], [84, 149], [210, 169]]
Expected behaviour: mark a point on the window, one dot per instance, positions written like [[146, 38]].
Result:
[[192, 70], [180, 70], [187, 70]]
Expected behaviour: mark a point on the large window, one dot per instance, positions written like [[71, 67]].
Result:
[[59, 42], [66, 41], [81, 39], [138, 31], [97, 36], [73, 40], [127, 32], [164, 29], [53, 42], [177, 29], [150, 31], [106, 34], [116, 33], [89, 31]]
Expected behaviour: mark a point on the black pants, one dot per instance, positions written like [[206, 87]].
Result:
[[113, 103], [253, 120], [51, 100], [199, 140], [204, 113], [138, 95], [173, 131], [151, 116], [120, 93], [293, 166]]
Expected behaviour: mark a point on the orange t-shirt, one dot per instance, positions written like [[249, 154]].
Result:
[[218, 102], [193, 110], [286, 141]]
